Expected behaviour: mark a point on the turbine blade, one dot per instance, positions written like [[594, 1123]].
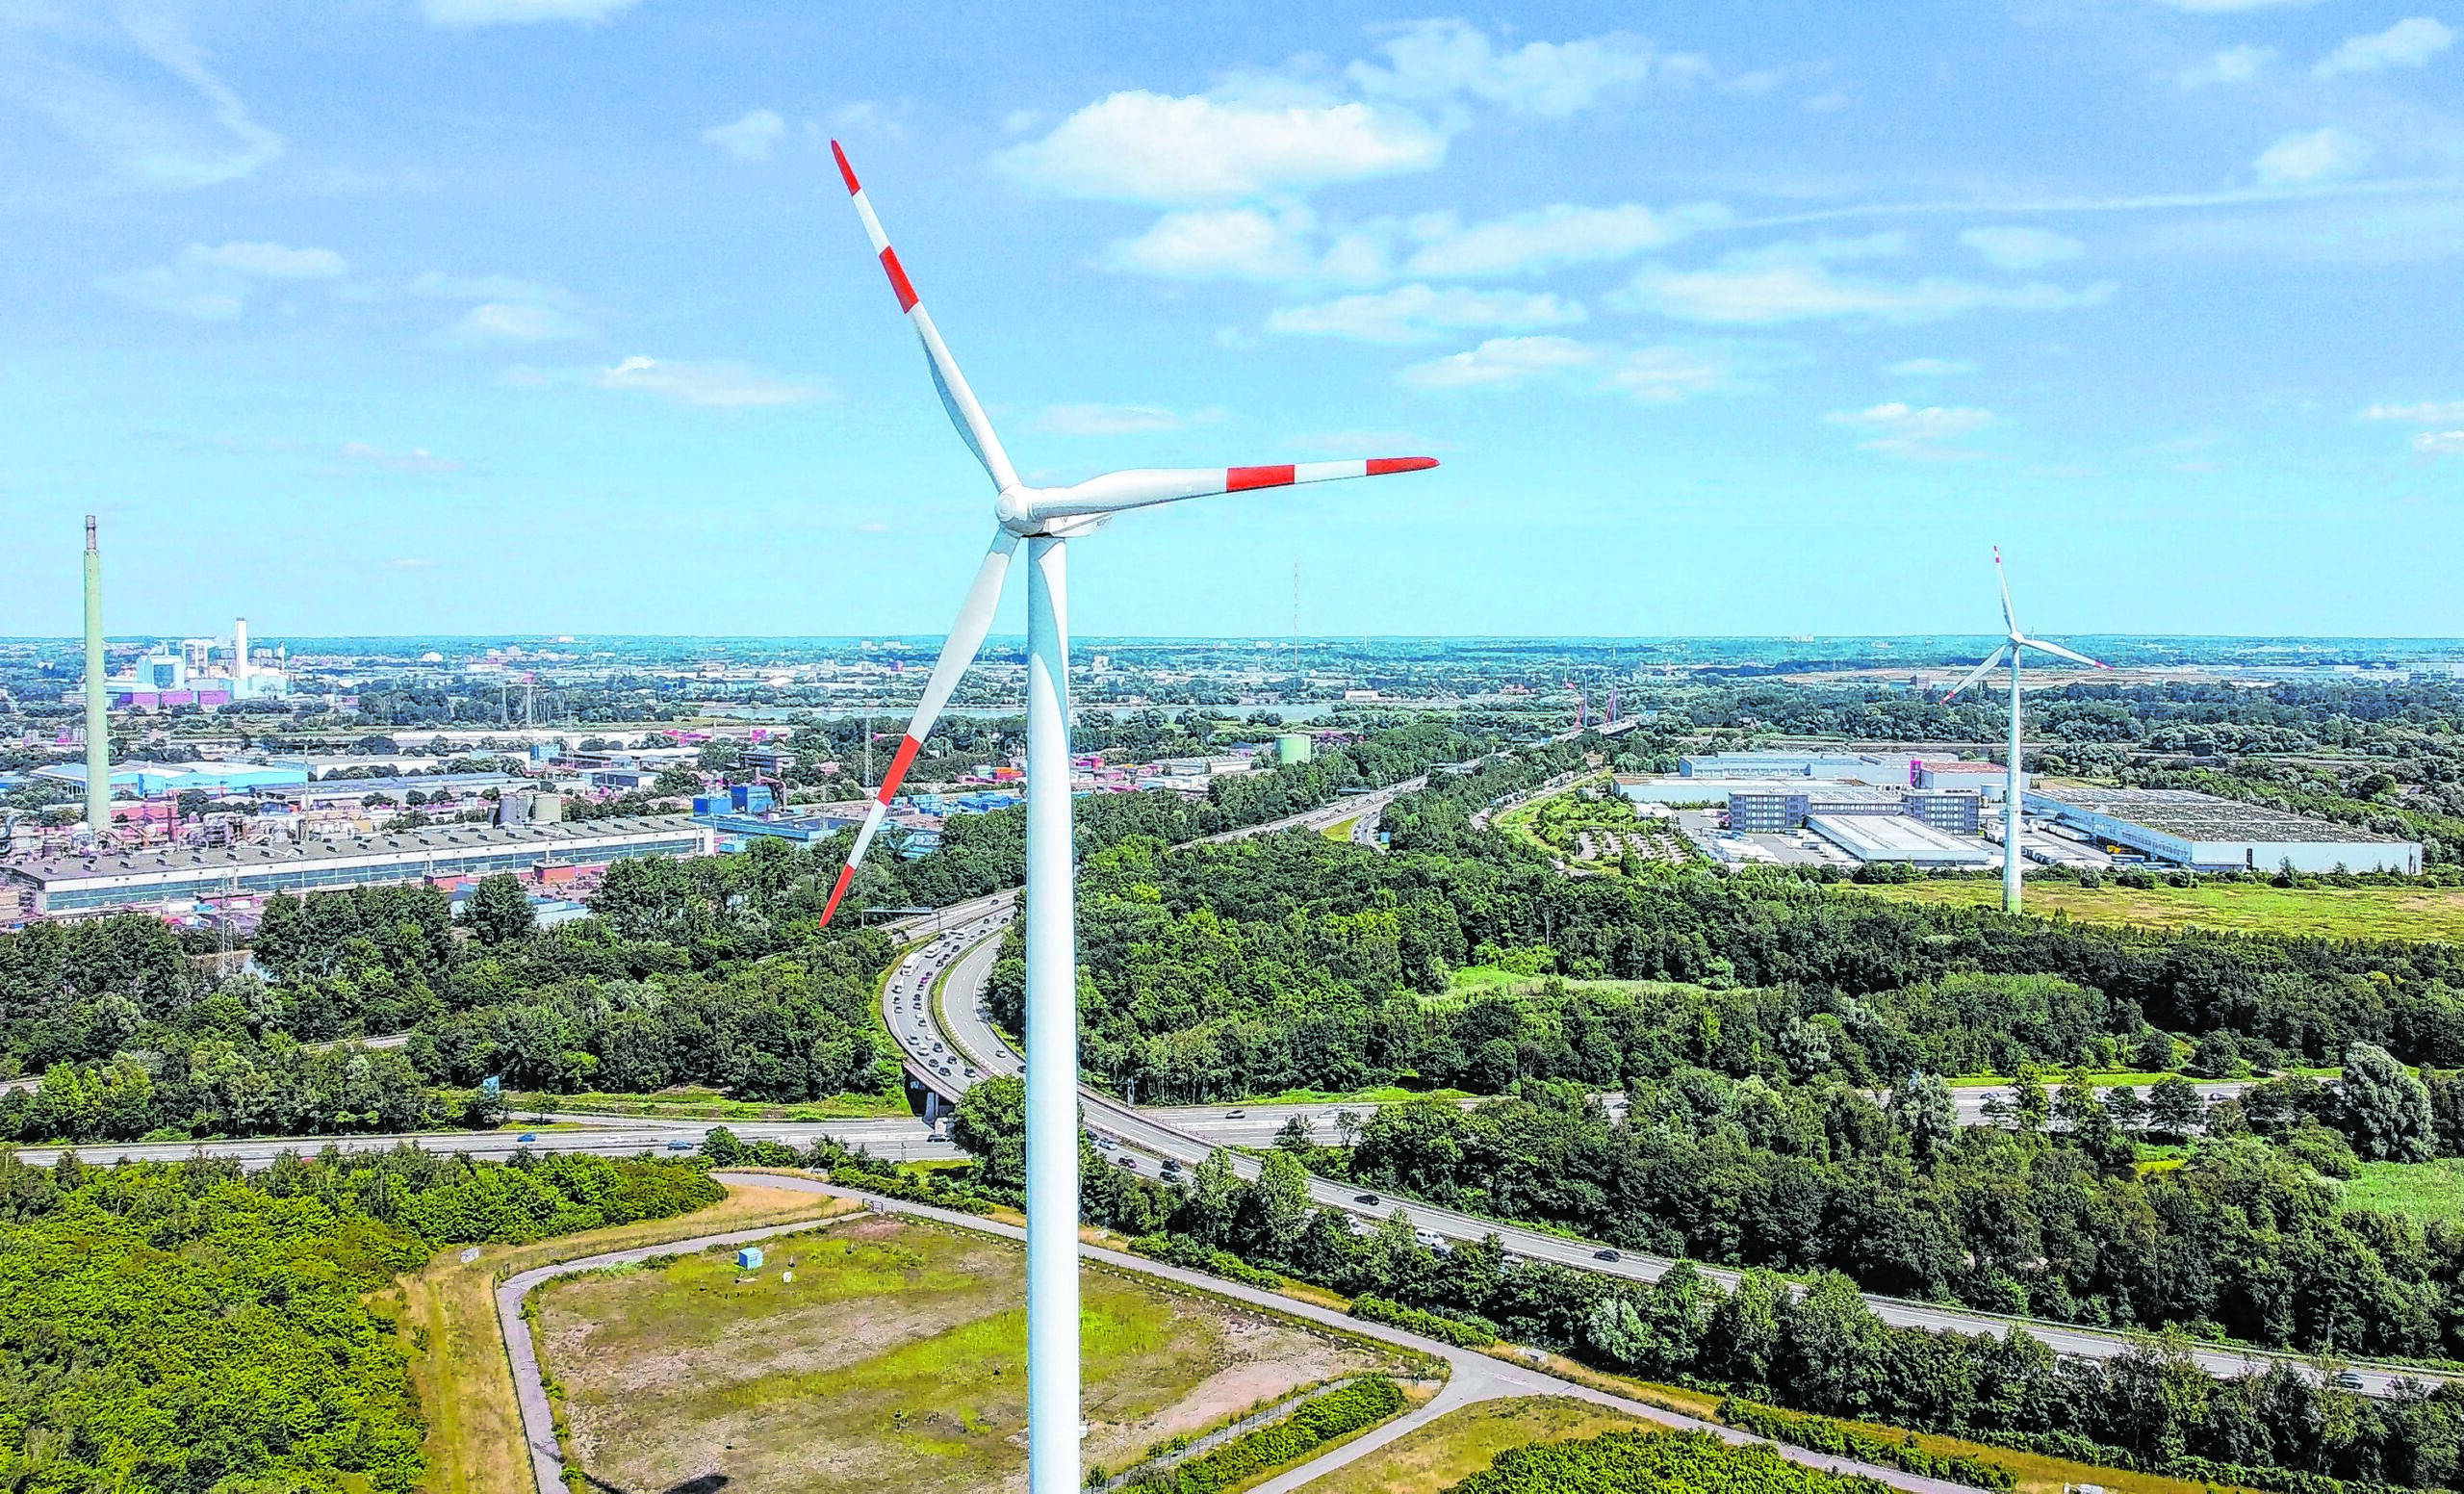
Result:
[[1145, 486], [2009, 617], [974, 427], [2059, 651], [1978, 673], [958, 651]]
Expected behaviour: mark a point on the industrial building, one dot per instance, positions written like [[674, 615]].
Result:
[[1957, 810], [1670, 789], [148, 779], [1899, 838], [2208, 833], [1989, 778], [71, 885], [1878, 770], [1770, 811]]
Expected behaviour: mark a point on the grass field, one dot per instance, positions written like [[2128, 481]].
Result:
[[2334, 913], [1473, 980], [1342, 828], [2424, 1190], [448, 1319], [1463, 1442], [898, 1345]]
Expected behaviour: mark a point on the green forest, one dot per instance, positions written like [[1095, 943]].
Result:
[[187, 1328]]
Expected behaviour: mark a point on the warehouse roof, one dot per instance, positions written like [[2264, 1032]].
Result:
[[2199, 816], [550, 838], [1889, 837]]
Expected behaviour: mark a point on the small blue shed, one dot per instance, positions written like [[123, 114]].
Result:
[[749, 1257]]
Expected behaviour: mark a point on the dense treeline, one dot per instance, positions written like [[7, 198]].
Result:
[[2245, 1238], [1821, 1351], [1653, 1462], [1293, 962], [182, 1329]]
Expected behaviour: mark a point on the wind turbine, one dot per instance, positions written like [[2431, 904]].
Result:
[[2010, 650], [1047, 519]]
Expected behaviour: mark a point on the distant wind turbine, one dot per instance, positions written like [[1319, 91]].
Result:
[[2010, 650], [1046, 519]]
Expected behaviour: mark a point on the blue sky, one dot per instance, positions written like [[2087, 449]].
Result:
[[480, 315]]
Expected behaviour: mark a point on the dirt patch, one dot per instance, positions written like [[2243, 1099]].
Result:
[[1263, 1361]]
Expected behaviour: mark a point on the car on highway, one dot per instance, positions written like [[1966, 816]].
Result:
[[1369, 1198], [680, 1145], [2346, 1379], [1130, 1163], [1606, 1255], [1106, 1143], [1172, 1167], [971, 1070], [1234, 1115], [528, 1136]]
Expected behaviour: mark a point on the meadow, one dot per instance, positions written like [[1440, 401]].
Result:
[[2254, 908], [897, 1344]]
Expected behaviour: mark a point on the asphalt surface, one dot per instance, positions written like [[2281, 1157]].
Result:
[[1174, 1135]]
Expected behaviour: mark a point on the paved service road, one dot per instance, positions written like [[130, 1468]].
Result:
[[1151, 1131]]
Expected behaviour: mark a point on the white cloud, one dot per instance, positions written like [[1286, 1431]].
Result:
[[1561, 234], [1661, 375], [489, 287], [2310, 157], [1148, 148], [211, 282], [492, 322], [2409, 43], [1241, 244], [751, 137], [151, 140], [706, 385], [1796, 282], [2234, 64], [2440, 443], [1930, 368], [1117, 419], [515, 13], [418, 462], [1441, 60], [1648, 376], [1913, 432], [1417, 312], [1502, 363], [2021, 249], [2426, 413]]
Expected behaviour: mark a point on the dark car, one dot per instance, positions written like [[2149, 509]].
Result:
[[1606, 1255], [1369, 1198], [1130, 1163], [2346, 1379]]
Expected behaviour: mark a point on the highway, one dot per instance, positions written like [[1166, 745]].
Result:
[[1173, 1134]]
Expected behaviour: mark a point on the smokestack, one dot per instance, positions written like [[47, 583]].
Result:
[[99, 721], [238, 652]]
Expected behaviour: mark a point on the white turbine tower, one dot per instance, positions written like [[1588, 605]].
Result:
[[1046, 519], [2010, 650]]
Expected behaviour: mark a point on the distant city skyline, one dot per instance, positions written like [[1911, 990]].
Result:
[[518, 318]]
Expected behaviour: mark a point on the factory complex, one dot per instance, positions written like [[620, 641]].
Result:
[[2207, 834], [176, 880]]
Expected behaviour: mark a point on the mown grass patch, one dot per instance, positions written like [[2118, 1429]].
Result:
[[2424, 1191], [2401, 912], [1463, 1442]]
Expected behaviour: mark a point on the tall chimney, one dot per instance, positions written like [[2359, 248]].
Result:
[[238, 652], [99, 721]]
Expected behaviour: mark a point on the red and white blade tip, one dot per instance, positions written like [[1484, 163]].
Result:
[[845, 172]]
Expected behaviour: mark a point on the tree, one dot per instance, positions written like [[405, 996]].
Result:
[[2173, 1106], [1294, 1137], [1930, 1114], [2128, 1110], [991, 1127], [2029, 1100], [2386, 1110], [500, 911], [2218, 1054], [2155, 1050]]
